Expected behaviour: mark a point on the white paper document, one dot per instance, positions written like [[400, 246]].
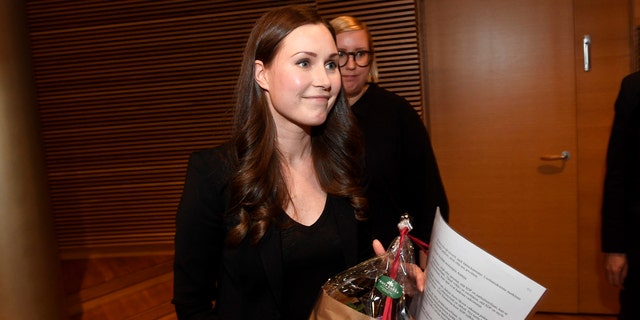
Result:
[[466, 282]]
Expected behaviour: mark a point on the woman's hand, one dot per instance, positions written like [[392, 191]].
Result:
[[414, 272], [378, 248]]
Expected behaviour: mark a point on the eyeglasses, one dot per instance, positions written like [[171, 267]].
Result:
[[362, 58]]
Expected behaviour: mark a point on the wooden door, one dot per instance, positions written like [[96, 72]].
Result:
[[503, 94]]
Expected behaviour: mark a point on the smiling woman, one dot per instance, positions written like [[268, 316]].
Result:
[[281, 200], [127, 89], [303, 81]]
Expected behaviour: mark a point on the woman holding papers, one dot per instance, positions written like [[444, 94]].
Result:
[[266, 218]]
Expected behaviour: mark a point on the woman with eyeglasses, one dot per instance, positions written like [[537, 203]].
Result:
[[403, 175]]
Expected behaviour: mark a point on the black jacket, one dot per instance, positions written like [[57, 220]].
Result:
[[402, 171], [621, 201], [245, 281]]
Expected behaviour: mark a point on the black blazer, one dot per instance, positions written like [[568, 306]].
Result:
[[402, 171], [205, 269], [621, 200]]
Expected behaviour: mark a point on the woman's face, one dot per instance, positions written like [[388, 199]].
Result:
[[303, 80], [354, 77]]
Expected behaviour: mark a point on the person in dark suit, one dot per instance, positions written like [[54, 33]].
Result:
[[621, 200], [266, 218], [402, 171]]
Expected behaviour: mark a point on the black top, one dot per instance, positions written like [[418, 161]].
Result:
[[305, 271], [403, 175]]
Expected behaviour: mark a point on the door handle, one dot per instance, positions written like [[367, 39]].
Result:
[[564, 155], [586, 51]]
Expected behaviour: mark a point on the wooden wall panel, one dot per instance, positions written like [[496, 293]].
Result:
[[126, 90], [394, 32]]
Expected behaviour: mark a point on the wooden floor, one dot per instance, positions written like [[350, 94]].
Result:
[[140, 288], [135, 288]]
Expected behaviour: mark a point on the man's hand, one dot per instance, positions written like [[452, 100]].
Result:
[[615, 265]]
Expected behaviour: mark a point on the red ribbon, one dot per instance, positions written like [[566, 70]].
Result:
[[423, 245], [386, 314]]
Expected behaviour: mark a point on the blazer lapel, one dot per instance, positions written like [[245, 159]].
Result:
[[348, 232], [271, 254]]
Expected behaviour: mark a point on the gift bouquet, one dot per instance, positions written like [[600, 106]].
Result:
[[374, 289]]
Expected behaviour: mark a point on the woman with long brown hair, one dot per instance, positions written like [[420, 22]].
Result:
[[266, 218]]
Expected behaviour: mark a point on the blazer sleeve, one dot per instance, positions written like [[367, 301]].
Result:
[[199, 236], [618, 168]]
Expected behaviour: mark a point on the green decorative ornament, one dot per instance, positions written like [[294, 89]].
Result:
[[389, 287]]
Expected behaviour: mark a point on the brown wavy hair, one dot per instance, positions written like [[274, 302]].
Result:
[[258, 189]]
